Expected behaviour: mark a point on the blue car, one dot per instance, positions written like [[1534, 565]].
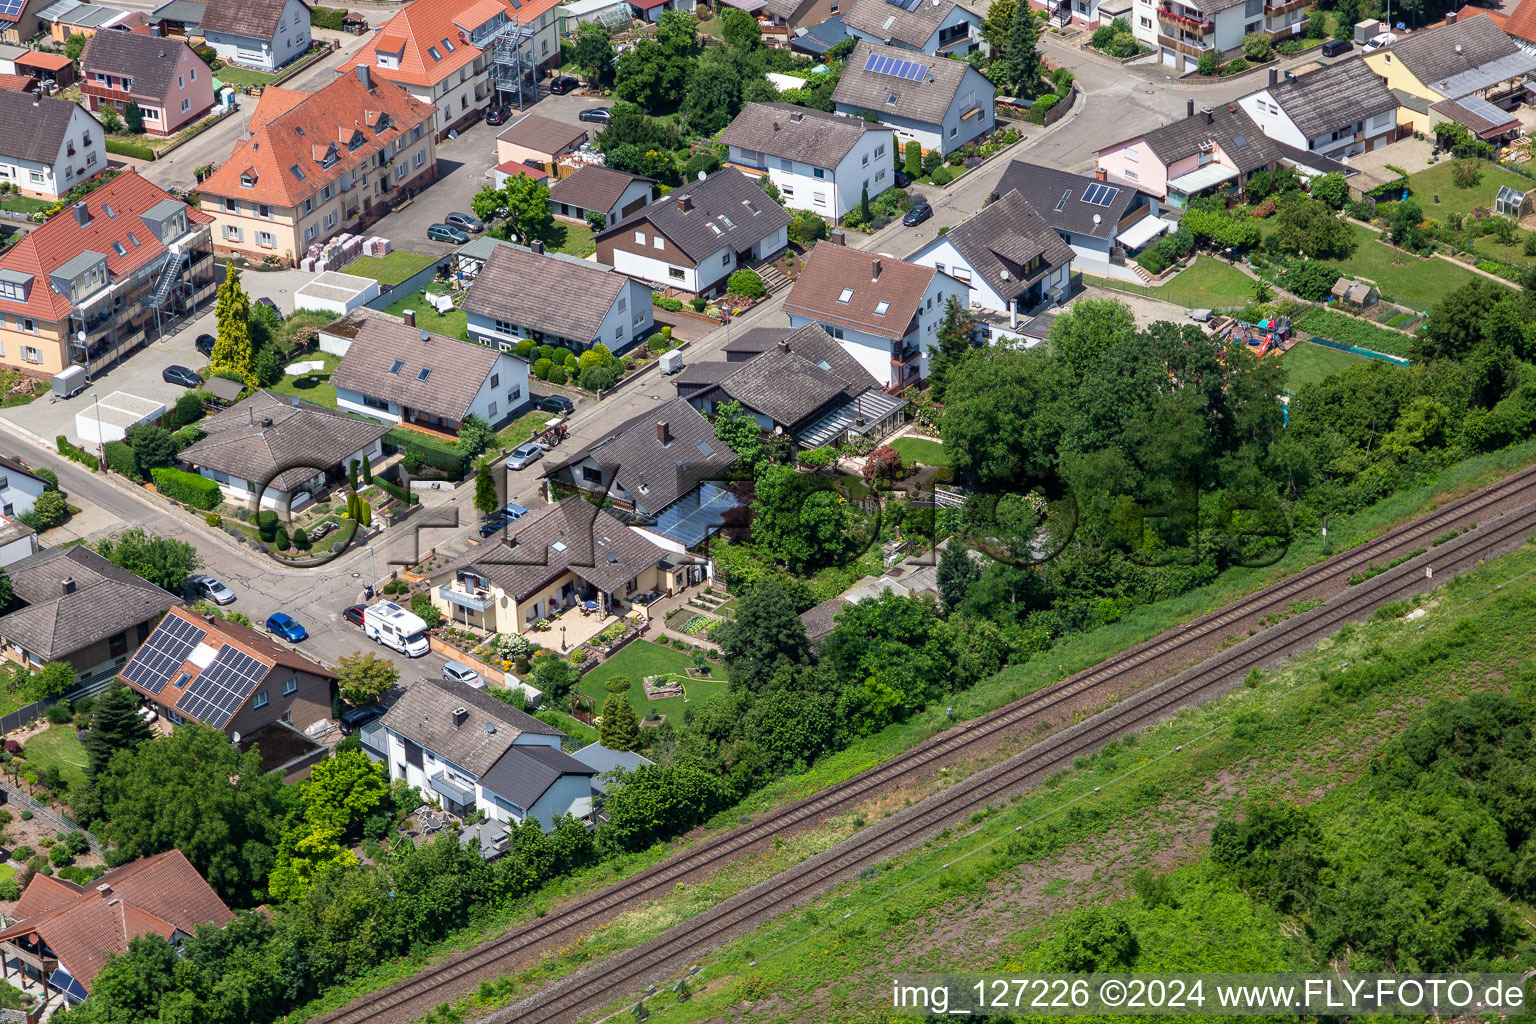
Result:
[[514, 510], [286, 627]]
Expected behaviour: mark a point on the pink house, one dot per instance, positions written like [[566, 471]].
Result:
[[171, 84], [1208, 149]]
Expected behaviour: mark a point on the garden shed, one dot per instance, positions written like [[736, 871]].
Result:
[[1514, 204]]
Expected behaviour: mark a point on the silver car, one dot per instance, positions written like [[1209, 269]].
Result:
[[458, 672], [464, 222], [525, 455], [212, 589]]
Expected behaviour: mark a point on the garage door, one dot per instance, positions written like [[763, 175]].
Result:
[[1170, 58]]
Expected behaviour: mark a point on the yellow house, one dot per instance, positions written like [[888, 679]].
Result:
[[1466, 70], [558, 557]]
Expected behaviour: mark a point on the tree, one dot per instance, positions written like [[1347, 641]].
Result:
[[161, 560], [714, 95], [115, 725], [554, 676], [1207, 64], [1020, 68], [475, 435], [957, 336], [592, 52], [1331, 190], [334, 801], [1258, 46], [883, 466], [1311, 279], [74, 45], [800, 519], [522, 204], [864, 205], [596, 220], [189, 408], [999, 22], [740, 432], [232, 350], [111, 120], [956, 572], [365, 677], [1309, 228], [133, 117], [49, 510], [54, 679], [740, 30], [620, 729], [152, 446], [914, 159], [486, 500], [1404, 222], [654, 74], [765, 638], [1083, 335]]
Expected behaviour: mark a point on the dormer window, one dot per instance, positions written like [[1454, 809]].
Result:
[[247, 180], [330, 158]]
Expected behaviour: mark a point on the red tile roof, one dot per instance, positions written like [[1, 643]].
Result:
[[513, 168], [1519, 23], [63, 238], [292, 128], [46, 61], [18, 83], [425, 24], [159, 895]]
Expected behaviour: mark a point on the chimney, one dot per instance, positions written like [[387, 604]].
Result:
[[1450, 17], [1274, 76], [67, 584], [1100, 174], [82, 213], [105, 888], [875, 269], [685, 203], [460, 716], [37, 97], [837, 237], [783, 346], [1189, 107], [797, 116], [365, 76], [410, 317], [1210, 115], [266, 421], [538, 246], [663, 432]]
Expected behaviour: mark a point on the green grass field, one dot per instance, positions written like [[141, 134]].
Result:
[[25, 204], [311, 387], [1438, 180], [1306, 363], [450, 325], [392, 269], [58, 746], [920, 450], [1401, 276], [643, 658], [571, 239], [1206, 284]]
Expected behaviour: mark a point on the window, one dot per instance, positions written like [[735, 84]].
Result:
[[375, 403], [591, 476], [330, 219], [290, 687], [640, 237], [820, 198], [618, 305], [880, 175], [725, 259], [490, 410], [953, 131], [263, 210], [495, 380], [181, 81], [30, 326], [881, 308], [817, 172], [1146, 22], [675, 273], [618, 333], [90, 160], [186, 104], [151, 114], [247, 181], [117, 645], [394, 367], [426, 371], [418, 159], [880, 150], [31, 354], [310, 233], [514, 395], [866, 159], [400, 170], [36, 176], [264, 239], [233, 234], [231, 206], [846, 295], [657, 242], [194, 74]]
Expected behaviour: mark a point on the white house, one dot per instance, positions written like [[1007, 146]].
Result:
[[47, 145], [19, 487], [395, 372], [885, 312], [937, 27], [1337, 112], [940, 103], [1183, 31], [262, 34], [1008, 255], [819, 162], [17, 541], [510, 300], [468, 751]]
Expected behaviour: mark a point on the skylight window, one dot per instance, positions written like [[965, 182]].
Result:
[[447, 45], [716, 229], [117, 247], [892, 98], [881, 308], [134, 239], [299, 129], [558, 545], [750, 205], [726, 221], [107, 209], [394, 367], [847, 294], [298, 172], [433, 51], [425, 372]]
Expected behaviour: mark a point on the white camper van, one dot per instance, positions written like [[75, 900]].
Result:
[[394, 627]]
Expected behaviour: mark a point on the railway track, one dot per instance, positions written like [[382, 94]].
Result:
[[1167, 653], [626, 973]]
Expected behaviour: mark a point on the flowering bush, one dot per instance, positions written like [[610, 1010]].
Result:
[[1265, 209], [884, 463]]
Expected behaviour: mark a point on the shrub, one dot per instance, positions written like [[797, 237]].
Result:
[[189, 409], [422, 605], [579, 656], [1207, 65], [1258, 46], [747, 283], [75, 453], [541, 368], [1235, 67], [1153, 262], [698, 302], [411, 461], [121, 460], [59, 856], [557, 375], [1466, 173], [61, 713], [943, 175], [10, 890], [914, 154], [1311, 279], [133, 149], [806, 229], [187, 488], [51, 479], [281, 539], [931, 159], [666, 302], [599, 378]]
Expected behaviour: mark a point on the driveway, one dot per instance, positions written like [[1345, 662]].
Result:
[[464, 167]]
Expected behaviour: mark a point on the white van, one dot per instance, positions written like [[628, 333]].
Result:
[[391, 625]]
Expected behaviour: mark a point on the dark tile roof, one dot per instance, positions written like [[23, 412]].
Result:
[[542, 134], [798, 133], [458, 369], [151, 61], [818, 39], [1438, 53], [655, 474], [890, 23], [832, 269], [702, 230], [520, 286], [34, 130], [924, 102], [1058, 197], [788, 384], [1004, 237], [159, 895], [105, 601], [1333, 98], [1476, 119], [424, 715], [594, 188], [757, 339], [255, 438], [254, 19], [1229, 126], [593, 544], [821, 620], [526, 771]]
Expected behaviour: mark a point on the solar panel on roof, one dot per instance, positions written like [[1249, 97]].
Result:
[[10, 6], [221, 689], [161, 656]]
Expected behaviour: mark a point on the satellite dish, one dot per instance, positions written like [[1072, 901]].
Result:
[[234, 737], [1096, 219], [701, 175], [80, 336]]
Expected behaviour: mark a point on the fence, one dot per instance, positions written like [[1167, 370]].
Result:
[[391, 294], [48, 815], [90, 686], [1339, 346]]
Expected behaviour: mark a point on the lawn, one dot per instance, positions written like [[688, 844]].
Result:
[[920, 451], [1208, 284], [242, 76], [643, 658], [1306, 363], [1437, 179], [60, 746], [398, 266], [572, 239], [1403, 277], [25, 204], [312, 387], [518, 431], [452, 324]]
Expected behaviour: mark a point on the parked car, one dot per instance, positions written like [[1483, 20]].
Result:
[[444, 233], [902, 179], [324, 530], [353, 613], [458, 672], [496, 115], [181, 375], [918, 214], [464, 222], [212, 589], [264, 301], [494, 525], [287, 627], [555, 403], [525, 455], [358, 717], [598, 115], [562, 85], [1334, 47], [204, 344], [1385, 39], [514, 510]]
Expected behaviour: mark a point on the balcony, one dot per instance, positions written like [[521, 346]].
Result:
[[476, 599], [1181, 22], [1188, 47], [1285, 7], [906, 355]]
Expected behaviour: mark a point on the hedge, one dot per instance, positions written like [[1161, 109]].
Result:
[[132, 149], [74, 453], [121, 460], [432, 453], [327, 17], [397, 490], [187, 488]]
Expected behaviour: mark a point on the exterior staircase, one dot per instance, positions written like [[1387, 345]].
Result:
[[773, 277], [170, 274], [1139, 271]]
